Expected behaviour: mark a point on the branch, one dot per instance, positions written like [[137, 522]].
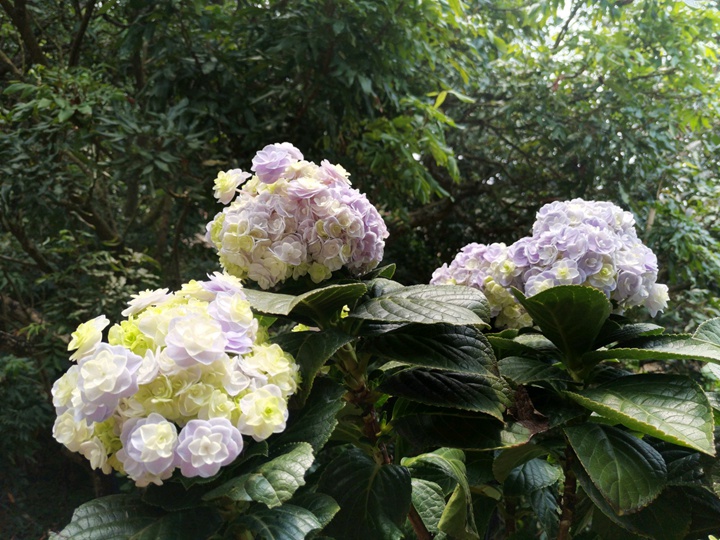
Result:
[[19, 16], [565, 27], [77, 40], [15, 228], [9, 62]]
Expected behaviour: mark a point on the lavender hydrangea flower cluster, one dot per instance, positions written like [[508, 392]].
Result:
[[175, 386], [573, 243], [293, 218]]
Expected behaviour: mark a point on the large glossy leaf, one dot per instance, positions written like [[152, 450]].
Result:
[[669, 407], [374, 499], [315, 422], [286, 522], [427, 304], [666, 518], [273, 482], [469, 432], [571, 316], [524, 345], [615, 332], [322, 506], [672, 347], [126, 517], [457, 519], [628, 472], [441, 346], [317, 305], [478, 393], [531, 476], [526, 370], [429, 501], [311, 350], [511, 458]]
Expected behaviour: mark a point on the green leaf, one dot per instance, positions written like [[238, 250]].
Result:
[[524, 345], [546, 508], [188, 525], [466, 391], [318, 305], [125, 516], [628, 472], [531, 476], [510, 458], [311, 350], [65, 113], [322, 506], [570, 316], [659, 348], [316, 421], [613, 331], [526, 370], [115, 516], [441, 346], [669, 407], [374, 499], [427, 429], [427, 304], [273, 483], [429, 501], [457, 519], [667, 517], [287, 522]]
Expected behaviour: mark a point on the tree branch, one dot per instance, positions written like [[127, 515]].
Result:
[[9, 62], [19, 17], [77, 40]]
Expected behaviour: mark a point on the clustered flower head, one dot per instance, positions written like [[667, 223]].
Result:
[[175, 386], [293, 218], [573, 243]]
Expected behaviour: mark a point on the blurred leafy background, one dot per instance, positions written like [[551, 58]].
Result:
[[458, 119]]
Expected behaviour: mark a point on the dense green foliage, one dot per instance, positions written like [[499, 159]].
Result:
[[458, 119]]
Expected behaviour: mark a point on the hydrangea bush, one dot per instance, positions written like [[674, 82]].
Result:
[[573, 242], [413, 419], [292, 218], [175, 386]]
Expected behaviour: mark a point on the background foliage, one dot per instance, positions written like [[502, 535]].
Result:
[[458, 119]]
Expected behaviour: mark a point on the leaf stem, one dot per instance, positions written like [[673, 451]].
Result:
[[417, 524], [568, 497]]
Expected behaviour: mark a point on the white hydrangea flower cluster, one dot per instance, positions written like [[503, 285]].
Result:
[[176, 385], [292, 218], [573, 242]]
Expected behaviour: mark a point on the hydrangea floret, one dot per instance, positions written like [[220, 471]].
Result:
[[293, 218], [175, 386], [573, 242]]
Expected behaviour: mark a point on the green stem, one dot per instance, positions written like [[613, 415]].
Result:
[[568, 497]]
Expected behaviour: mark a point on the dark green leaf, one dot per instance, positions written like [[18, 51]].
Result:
[[273, 482], [318, 305], [424, 430], [457, 519], [429, 501], [311, 350], [669, 407], [374, 499], [510, 458], [287, 522], [442, 346], [322, 506], [570, 316], [628, 472], [665, 518], [427, 304], [613, 331], [545, 506], [531, 476], [526, 370], [467, 391], [672, 347], [109, 517], [315, 422], [188, 525]]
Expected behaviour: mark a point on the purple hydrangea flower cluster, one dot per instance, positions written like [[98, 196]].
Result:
[[573, 242], [294, 218], [176, 385]]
